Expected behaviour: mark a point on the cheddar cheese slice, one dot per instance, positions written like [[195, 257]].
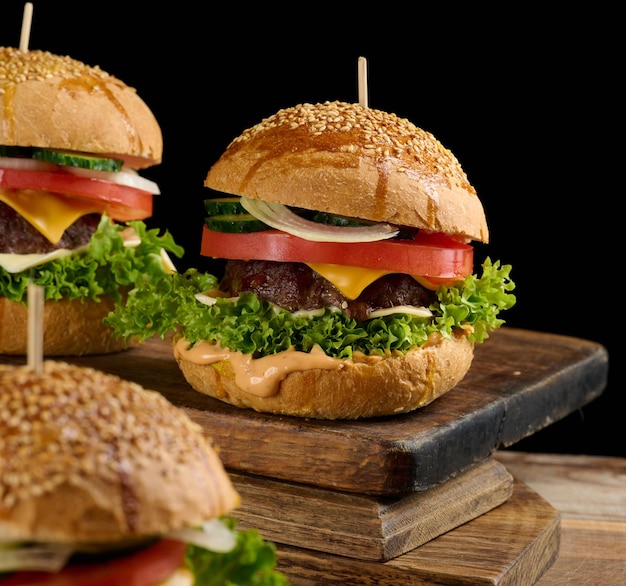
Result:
[[50, 213]]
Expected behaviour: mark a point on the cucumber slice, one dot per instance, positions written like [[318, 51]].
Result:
[[78, 160], [220, 206], [235, 223], [336, 220]]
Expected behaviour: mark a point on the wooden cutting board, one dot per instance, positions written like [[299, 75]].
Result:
[[511, 545], [362, 526], [520, 382]]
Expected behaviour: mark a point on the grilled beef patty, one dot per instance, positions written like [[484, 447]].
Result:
[[18, 236], [294, 286]]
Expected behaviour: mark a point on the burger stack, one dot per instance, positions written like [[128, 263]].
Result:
[[73, 140]]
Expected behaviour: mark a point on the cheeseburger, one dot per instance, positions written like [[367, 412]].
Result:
[[105, 483], [348, 289], [72, 202]]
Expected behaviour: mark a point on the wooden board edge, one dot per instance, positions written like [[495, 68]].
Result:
[[474, 554], [367, 527]]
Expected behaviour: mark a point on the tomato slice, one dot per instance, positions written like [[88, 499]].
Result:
[[429, 254], [145, 567], [120, 202]]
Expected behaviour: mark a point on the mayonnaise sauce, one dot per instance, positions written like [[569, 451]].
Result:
[[258, 376]]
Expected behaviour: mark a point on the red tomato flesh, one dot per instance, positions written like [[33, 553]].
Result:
[[429, 254], [120, 202], [145, 567]]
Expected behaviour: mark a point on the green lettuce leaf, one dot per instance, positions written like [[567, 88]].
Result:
[[251, 562], [256, 327], [105, 267]]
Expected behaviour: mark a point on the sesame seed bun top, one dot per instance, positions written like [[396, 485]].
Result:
[[54, 101], [350, 160], [89, 457]]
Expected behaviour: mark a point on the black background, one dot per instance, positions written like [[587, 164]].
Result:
[[527, 101]]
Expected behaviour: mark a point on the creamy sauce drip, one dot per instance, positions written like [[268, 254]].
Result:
[[258, 376]]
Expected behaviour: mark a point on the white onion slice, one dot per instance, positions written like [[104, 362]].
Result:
[[48, 557], [126, 176], [408, 309], [282, 218], [16, 263], [210, 297], [214, 536], [168, 264], [24, 164]]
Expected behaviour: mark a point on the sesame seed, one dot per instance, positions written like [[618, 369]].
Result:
[[19, 66], [365, 132], [55, 426]]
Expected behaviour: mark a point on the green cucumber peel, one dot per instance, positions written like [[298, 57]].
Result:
[[83, 161], [217, 206], [235, 223], [63, 158]]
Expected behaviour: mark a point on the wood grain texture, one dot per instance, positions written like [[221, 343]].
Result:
[[520, 382], [514, 544], [590, 494], [367, 527]]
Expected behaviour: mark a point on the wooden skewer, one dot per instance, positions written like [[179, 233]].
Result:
[[35, 326], [363, 82], [26, 23]]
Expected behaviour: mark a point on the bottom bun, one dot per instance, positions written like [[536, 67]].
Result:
[[70, 328], [391, 386]]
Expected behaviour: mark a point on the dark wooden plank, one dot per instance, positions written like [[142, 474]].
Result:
[[520, 382], [367, 527], [515, 543]]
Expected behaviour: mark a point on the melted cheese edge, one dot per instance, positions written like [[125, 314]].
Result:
[[352, 280], [349, 280], [50, 213], [16, 263]]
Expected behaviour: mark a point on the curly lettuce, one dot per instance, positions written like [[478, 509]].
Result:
[[257, 327], [104, 268], [252, 561]]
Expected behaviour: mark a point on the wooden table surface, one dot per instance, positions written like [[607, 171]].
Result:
[[590, 494]]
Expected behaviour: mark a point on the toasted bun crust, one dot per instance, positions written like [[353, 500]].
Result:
[[354, 161], [389, 387], [70, 328], [88, 457], [54, 101]]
